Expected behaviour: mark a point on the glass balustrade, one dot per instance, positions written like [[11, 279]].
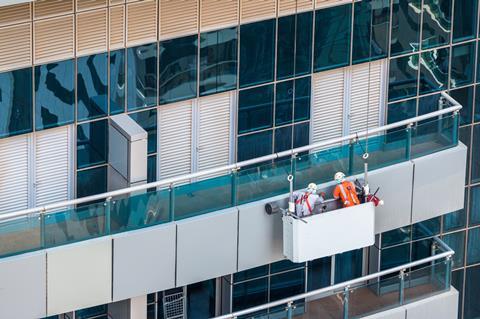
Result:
[[196, 197]]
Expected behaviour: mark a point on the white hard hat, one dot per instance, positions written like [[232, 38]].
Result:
[[312, 187], [339, 176]]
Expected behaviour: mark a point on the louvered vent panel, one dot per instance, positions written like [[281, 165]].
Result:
[[113, 2], [178, 18], [365, 103], [14, 170], [15, 14], [330, 3], [304, 5], [15, 46], [141, 22], [214, 131], [328, 97], [50, 8], [117, 27], [52, 163], [175, 144], [54, 39], [287, 7], [217, 14], [92, 32], [90, 4], [255, 10]]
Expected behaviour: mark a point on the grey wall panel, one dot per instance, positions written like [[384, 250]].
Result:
[[79, 275], [144, 261], [443, 306], [439, 183], [23, 286], [395, 313], [260, 235], [207, 246]]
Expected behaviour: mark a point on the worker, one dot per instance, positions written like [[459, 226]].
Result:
[[345, 191], [305, 201]]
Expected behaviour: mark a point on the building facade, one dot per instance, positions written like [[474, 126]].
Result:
[[214, 82]]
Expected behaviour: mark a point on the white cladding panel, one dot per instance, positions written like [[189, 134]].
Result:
[[14, 173], [175, 139]]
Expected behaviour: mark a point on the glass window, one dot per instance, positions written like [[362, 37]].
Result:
[[201, 299], [257, 50], [457, 282], [249, 294], [92, 181], [464, 96], [218, 61], [348, 265], [284, 103], [473, 246], [476, 154], [301, 134], [255, 109], [117, 81], [16, 102], [319, 273], [254, 145], [464, 135], [472, 293], [92, 97], [294, 45], [474, 205], [477, 104], [434, 70], [428, 104], [151, 168], [287, 284], [394, 256], [302, 99], [456, 241], [54, 94], [455, 220], [426, 228], [92, 140], [396, 236], [91, 312], [421, 249], [148, 121], [403, 77], [401, 111], [463, 61], [437, 15], [332, 37], [370, 30], [283, 139], [250, 273], [142, 76], [284, 265], [405, 26], [465, 20]]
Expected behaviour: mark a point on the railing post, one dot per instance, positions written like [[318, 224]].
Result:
[[171, 211], [455, 127], [234, 188], [346, 298], [42, 228], [290, 310], [448, 272], [401, 295], [408, 150], [351, 156], [108, 215], [294, 167]]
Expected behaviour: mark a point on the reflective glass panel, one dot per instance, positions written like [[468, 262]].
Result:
[[250, 294], [16, 102], [465, 136], [437, 15], [426, 228], [218, 61], [92, 140], [457, 282], [401, 111], [201, 299], [405, 26], [474, 205], [287, 284], [92, 96], [250, 273], [396, 236], [403, 77], [283, 139], [148, 121], [476, 116], [255, 109], [142, 76], [284, 103], [455, 220], [257, 51], [348, 265], [476, 154], [319, 273], [91, 181], [463, 62], [302, 98], [54, 94], [472, 293], [473, 246], [151, 168], [465, 20], [117, 81], [254, 145], [456, 241], [394, 256], [434, 70], [464, 96], [332, 37], [370, 30]]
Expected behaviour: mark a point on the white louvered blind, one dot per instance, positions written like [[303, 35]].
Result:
[[117, 27], [175, 139], [92, 32], [214, 131], [141, 22], [50, 8], [286, 7], [178, 18], [218, 14], [328, 100], [330, 3], [256, 10], [52, 161], [14, 179], [15, 46], [54, 39], [15, 14], [363, 100]]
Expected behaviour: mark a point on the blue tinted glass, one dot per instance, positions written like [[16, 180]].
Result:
[[428, 104], [303, 58], [457, 282], [473, 246], [284, 103], [319, 273], [476, 116], [249, 294], [464, 135], [474, 205], [465, 20], [396, 236], [254, 145], [332, 37], [283, 139], [92, 140], [250, 273], [403, 77], [455, 220], [426, 228], [142, 76], [437, 15], [472, 293], [201, 299], [370, 30], [394, 256], [148, 121], [434, 70], [284, 265], [151, 169], [178, 69], [92, 181], [464, 96], [218, 61], [463, 62], [405, 26], [476, 154], [16, 102], [348, 265], [302, 99], [255, 109], [401, 111], [54, 94], [287, 284], [92, 96], [117, 81], [301, 134], [456, 241], [91, 312], [257, 50]]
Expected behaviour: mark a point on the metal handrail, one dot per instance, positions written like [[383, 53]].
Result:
[[448, 253], [169, 182]]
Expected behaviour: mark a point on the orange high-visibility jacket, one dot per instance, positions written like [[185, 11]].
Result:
[[347, 193]]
